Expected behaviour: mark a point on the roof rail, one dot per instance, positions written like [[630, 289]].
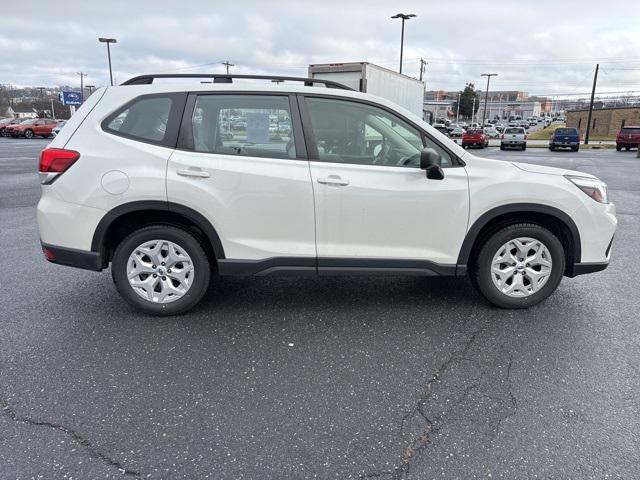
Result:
[[228, 78]]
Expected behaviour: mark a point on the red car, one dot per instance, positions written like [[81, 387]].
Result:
[[6, 124], [475, 137], [628, 137], [35, 127]]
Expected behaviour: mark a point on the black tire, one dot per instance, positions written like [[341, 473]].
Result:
[[190, 244], [618, 147], [464, 146], [575, 149], [481, 267], [627, 148], [28, 133], [553, 149], [524, 147], [501, 147]]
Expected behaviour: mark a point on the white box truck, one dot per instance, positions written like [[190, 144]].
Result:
[[369, 78]]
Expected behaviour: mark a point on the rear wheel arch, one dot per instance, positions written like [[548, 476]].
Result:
[[118, 223], [555, 220]]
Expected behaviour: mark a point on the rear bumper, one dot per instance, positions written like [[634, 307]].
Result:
[[564, 144], [73, 258], [627, 144]]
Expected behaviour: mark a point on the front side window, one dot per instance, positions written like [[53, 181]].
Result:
[[249, 125], [358, 133], [144, 119]]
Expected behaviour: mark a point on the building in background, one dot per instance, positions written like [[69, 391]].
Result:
[[505, 110], [604, 121], [438, 109], [21, 111]]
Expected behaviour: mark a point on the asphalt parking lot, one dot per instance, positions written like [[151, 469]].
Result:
[[318, 378]]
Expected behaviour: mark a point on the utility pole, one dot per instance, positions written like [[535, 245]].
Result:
[[227, 65], [473, 109], [404, 17], [90, 88], [53, 111], [82, 75], [593, 92], [486, 95], [423, 65], [458, 110]]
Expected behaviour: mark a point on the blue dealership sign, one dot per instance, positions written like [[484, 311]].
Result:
[[71, 98]]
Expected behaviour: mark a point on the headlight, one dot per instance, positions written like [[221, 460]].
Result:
[[593, 187]]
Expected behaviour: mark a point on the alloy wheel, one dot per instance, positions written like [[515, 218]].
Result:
[[521, 267]]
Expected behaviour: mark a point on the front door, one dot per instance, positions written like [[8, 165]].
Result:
[[372, 200]]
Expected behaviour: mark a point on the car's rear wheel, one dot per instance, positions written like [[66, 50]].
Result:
[[161, 270], [519, 266], [524, 147], [618, 147], [28, 133], [627, 148]]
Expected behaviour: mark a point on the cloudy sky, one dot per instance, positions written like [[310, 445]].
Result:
[[542, 46]]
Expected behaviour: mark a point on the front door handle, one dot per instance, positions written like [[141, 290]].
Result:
[[193, 172], [333, 180]]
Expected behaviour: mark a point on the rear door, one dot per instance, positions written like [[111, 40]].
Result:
[[241, 162], [373, 202]]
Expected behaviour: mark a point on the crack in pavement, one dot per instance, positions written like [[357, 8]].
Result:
[[9, 411], [473, 387]]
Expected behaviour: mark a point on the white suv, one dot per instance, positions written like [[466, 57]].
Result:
[[172, 183]]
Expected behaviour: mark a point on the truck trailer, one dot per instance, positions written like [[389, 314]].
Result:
[[369, 78]]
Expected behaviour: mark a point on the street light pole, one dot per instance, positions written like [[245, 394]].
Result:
[[108, 41], [82, 75], [404, 17], [458, 110], [486, 95]]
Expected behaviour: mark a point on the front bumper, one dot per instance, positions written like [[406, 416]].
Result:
[[584, 268]]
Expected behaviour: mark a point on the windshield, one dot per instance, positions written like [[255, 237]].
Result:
[[631, 130], [473, 131]]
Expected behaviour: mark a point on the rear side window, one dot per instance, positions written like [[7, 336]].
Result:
[[149, 118], [247, 125]]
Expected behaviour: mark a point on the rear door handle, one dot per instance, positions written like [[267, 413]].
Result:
[[193, 172], [333, 180]]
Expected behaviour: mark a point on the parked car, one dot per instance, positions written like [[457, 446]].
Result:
[[457, 132], [36, 127], [6, 124], [499, 127], [565, 138], [441, 128], [492, 132], [58, 127], [475, 137], [165, 201], [627, 138], [513, 137]]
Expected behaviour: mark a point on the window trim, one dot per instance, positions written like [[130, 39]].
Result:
[[178, 100], [310, 140], [185, 136]]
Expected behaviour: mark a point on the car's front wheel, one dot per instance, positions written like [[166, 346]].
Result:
[[161, 270], [28, 133], [519, 266]]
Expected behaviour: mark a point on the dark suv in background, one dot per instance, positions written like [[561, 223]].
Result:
[[628, 137], [565, 138]]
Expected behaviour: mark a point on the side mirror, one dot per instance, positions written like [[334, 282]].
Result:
[[430, 162]]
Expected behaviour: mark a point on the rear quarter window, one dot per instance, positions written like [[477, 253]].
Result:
[[148, 118]]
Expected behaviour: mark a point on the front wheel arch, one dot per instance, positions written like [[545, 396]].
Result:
[[551, 218]]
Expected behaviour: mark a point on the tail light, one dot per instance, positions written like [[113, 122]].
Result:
[[57, 160]]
